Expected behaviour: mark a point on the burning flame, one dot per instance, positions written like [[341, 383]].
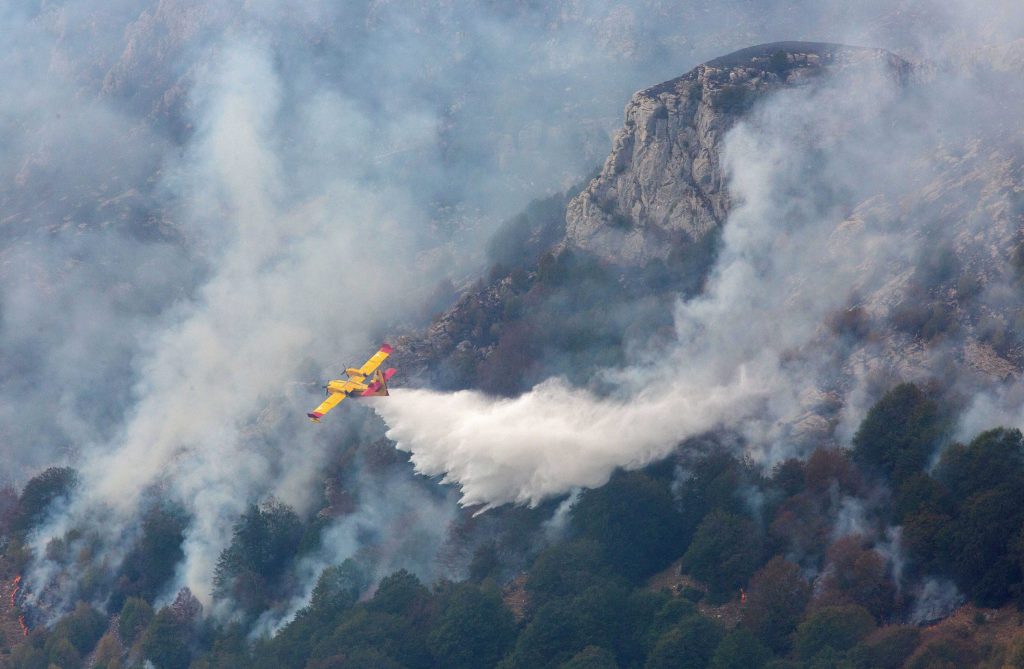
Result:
[[16, 583]]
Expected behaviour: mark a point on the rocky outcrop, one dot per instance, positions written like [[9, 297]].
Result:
[[663, 183], [458, 340], [949, 311]]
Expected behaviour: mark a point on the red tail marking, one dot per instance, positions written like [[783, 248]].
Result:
[[376, 385]]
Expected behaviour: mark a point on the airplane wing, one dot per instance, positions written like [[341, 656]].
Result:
[[334, 400], [375, 360], [354, 382]]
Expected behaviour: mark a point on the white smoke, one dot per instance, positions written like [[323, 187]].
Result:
[[1003, 406], [816, 175], [314, 166], [288, 281], [556, 526], [935, 599], [409, 523], [551, 439]]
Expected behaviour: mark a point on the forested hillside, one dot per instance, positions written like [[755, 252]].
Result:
[[731, 380], [850, 558]]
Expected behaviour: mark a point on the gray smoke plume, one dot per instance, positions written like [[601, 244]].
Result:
[[209, 208], [834, 186]]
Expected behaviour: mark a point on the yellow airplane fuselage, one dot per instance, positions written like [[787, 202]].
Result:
[[339, 389], [342, 386]]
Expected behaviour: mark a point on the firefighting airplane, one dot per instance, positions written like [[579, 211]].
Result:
[[339, 389]]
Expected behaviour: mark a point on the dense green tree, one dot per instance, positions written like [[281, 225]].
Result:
[[364, 629], [920, 493], [784, 663], [980, 546], [485, 563], [25, 656], [725, 551], [994, 458], [108, 654], [293, 645], [402, 594], [788, 477], [591, 657], [135, 617], [830, 658], [264, 541], [165, 641], [230, 648], [740, 649], [776, 599], [29, 654], [670, 613], [552, 637], [857, 574], [887, 648], [8, 508], [152, 561], [637, 624], [62, 653], [900, 433], [965, 524], [474, 628], [801, 526], [338, 588], [834, 627], [927, 535], [565, 569], [831, 469], [83, 627], [360, 658], [564, 626], [336, 592], [39, 493], [634, 520], [713, 483], [690, 644]]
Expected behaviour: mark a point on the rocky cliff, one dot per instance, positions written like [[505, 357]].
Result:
[[662, 184], [649, 222], [646, 220]]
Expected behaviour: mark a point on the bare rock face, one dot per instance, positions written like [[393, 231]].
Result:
[[949, 310], [663, 184]]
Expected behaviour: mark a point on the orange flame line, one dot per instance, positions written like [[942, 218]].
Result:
[[14, 592], [14, 603]]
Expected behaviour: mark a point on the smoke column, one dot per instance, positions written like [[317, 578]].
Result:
[[210, 207], [816, 174]]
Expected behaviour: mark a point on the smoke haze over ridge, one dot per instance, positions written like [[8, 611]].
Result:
[[290, 193], [822, 177]]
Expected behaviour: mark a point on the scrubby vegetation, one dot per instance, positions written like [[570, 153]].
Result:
[[562, 312], [702, 561]]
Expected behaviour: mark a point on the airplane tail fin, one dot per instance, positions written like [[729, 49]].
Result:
[[379, 386]]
